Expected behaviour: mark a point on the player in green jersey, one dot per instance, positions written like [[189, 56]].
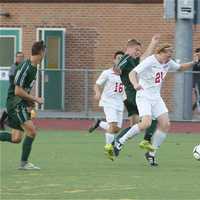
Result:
[[129, 61], [18, 102]]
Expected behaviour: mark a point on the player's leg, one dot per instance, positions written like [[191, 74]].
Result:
[[146, 143], [22, 118], [114, 119], [132, 115], [16, 134], [30, 131], [144, 108], [161, 113]]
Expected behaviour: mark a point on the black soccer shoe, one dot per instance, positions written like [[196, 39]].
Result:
[[117, 146], [94, 126], [151, 159], [3, 119]]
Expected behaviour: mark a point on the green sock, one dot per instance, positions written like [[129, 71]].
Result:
[[26, 148], [5, 137], [150, 131], [123, 132]]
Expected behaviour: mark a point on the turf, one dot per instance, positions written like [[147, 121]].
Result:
[[74, 167]]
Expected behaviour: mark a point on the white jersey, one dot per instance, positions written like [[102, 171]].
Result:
[[151, 75], [112, 95]]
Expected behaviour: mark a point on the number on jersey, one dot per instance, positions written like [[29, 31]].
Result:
[[159, 77], [118, 87]]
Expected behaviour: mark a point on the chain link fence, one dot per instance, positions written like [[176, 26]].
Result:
[[69, 93]]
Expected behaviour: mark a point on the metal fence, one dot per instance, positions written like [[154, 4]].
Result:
[[69, 93]]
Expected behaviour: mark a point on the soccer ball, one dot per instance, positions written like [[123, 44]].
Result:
[[196, 152]]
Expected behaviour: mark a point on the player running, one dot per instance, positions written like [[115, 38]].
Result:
[[128, 62], [111, 100], [18, 102], [151, 73]]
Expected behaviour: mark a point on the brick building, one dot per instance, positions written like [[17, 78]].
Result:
[[79, 34]]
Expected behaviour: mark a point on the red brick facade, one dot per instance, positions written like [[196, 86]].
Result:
[[94, 31]]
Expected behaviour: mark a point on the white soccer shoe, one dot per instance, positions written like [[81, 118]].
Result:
[[29, 166]]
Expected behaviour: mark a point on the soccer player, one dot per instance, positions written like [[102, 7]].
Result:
[[19, 59], [111, 100], [18, 101], [151, 73], [128, 62]]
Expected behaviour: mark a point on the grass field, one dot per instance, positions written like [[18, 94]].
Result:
[[74, 167]]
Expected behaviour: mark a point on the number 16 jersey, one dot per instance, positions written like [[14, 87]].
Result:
[[113, 90]]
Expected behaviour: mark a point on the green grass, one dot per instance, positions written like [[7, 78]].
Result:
[[74, 167]]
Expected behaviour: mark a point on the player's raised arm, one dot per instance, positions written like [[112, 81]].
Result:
[[150, 49]]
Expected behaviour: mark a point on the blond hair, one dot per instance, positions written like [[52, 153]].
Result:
[[163, 48]]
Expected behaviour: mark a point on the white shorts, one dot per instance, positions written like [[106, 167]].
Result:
[[150, 107], [113, 115]]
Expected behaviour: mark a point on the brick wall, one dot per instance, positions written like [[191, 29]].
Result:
[[93, 31]]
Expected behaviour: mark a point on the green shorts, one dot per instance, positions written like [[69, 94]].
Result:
[[18, 116], [131, 107]]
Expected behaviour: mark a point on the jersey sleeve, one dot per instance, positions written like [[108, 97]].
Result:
[[102, 78], [21, 76], [146, 63], [174, 65]]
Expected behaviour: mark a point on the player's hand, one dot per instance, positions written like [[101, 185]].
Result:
[[97, 96], [39, 100], [138, 87], [156, 38]]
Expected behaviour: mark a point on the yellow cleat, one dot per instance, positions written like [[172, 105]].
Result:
[[145, 144], [108, 148]]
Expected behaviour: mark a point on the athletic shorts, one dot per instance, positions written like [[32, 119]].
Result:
[[150, 107], [131, 107], [18, 116], [113, 115]]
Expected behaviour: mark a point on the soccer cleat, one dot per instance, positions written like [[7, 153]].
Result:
[[151, 159], [28, 166], [145, 144], [94, 126], [117, 147], [3, 119], [108, 148]]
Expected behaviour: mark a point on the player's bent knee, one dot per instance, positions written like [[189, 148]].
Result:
[[114, 129], [16, 140]]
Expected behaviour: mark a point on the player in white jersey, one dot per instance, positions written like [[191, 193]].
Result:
[[111, 100], [151, 73]]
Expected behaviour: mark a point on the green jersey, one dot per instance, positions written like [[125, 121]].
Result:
[[25, 76], [126, 65]]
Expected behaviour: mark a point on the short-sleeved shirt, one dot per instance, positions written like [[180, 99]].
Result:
[[152, 73], [126, 65], [113, 89], [25, 77]]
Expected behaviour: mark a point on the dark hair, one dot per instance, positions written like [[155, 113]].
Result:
[[197, 50], [133, 42], [118, 53], [38, 47], [19, 52]]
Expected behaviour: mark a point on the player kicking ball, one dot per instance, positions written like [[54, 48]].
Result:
[[18, 105], [147, 79], [111, 100]]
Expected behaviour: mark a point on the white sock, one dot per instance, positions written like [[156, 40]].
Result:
[[104, 125], [157, 139], [134, 130], [109, 138]]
